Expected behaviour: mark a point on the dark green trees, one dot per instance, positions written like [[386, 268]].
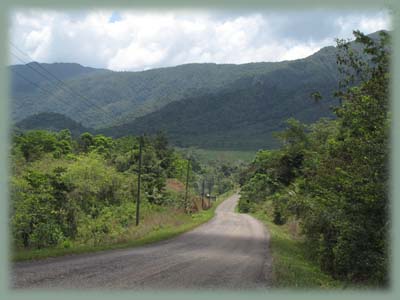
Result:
[[333, 175], [350, 185]]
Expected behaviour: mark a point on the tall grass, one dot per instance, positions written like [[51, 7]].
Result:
[[292, 267]]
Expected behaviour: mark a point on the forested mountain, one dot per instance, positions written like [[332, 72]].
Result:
[[53, 122], [123, 95], [244, 115], [39, 73], [205, 105]]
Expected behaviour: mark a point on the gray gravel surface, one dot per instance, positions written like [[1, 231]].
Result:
[[228, 252]]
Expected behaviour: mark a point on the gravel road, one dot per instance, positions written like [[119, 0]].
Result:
[[228, 252]]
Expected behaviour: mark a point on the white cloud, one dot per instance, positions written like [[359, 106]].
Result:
[[299, 51], [138, 40], [366, 24], [136, 57]]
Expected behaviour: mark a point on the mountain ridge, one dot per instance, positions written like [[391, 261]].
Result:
[[244, 102]]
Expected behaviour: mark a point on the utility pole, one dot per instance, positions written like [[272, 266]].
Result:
[[202, 194], [139, 175], [187, 185], [210, 187]]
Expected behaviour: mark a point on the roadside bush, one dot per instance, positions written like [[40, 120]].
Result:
[[244, 205], [94, 185], [43, 215]]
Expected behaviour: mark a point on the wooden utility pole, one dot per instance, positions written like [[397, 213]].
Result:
[[139, 175], [210, 187], [202, 194], [187, 185]]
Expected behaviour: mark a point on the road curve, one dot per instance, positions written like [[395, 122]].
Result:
[[228, 252]]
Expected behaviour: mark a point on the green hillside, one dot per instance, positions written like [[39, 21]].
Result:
[[244, 115], [123, 95], [211, 106], [52, 122], [62, 71]]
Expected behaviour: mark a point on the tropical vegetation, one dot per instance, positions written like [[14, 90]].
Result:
[[77, 192], [331, 178]]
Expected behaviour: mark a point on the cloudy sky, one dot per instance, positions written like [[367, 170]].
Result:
[[140, 40]]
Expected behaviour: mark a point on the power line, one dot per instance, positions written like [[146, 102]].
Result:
[[89, 105], [46, 91], [61, 83], [50, 93]]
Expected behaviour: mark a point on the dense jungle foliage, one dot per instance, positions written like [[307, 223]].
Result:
[[332, 176], [67, 191]]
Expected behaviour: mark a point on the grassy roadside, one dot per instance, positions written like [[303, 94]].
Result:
[[292, 268], [157, 234]]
